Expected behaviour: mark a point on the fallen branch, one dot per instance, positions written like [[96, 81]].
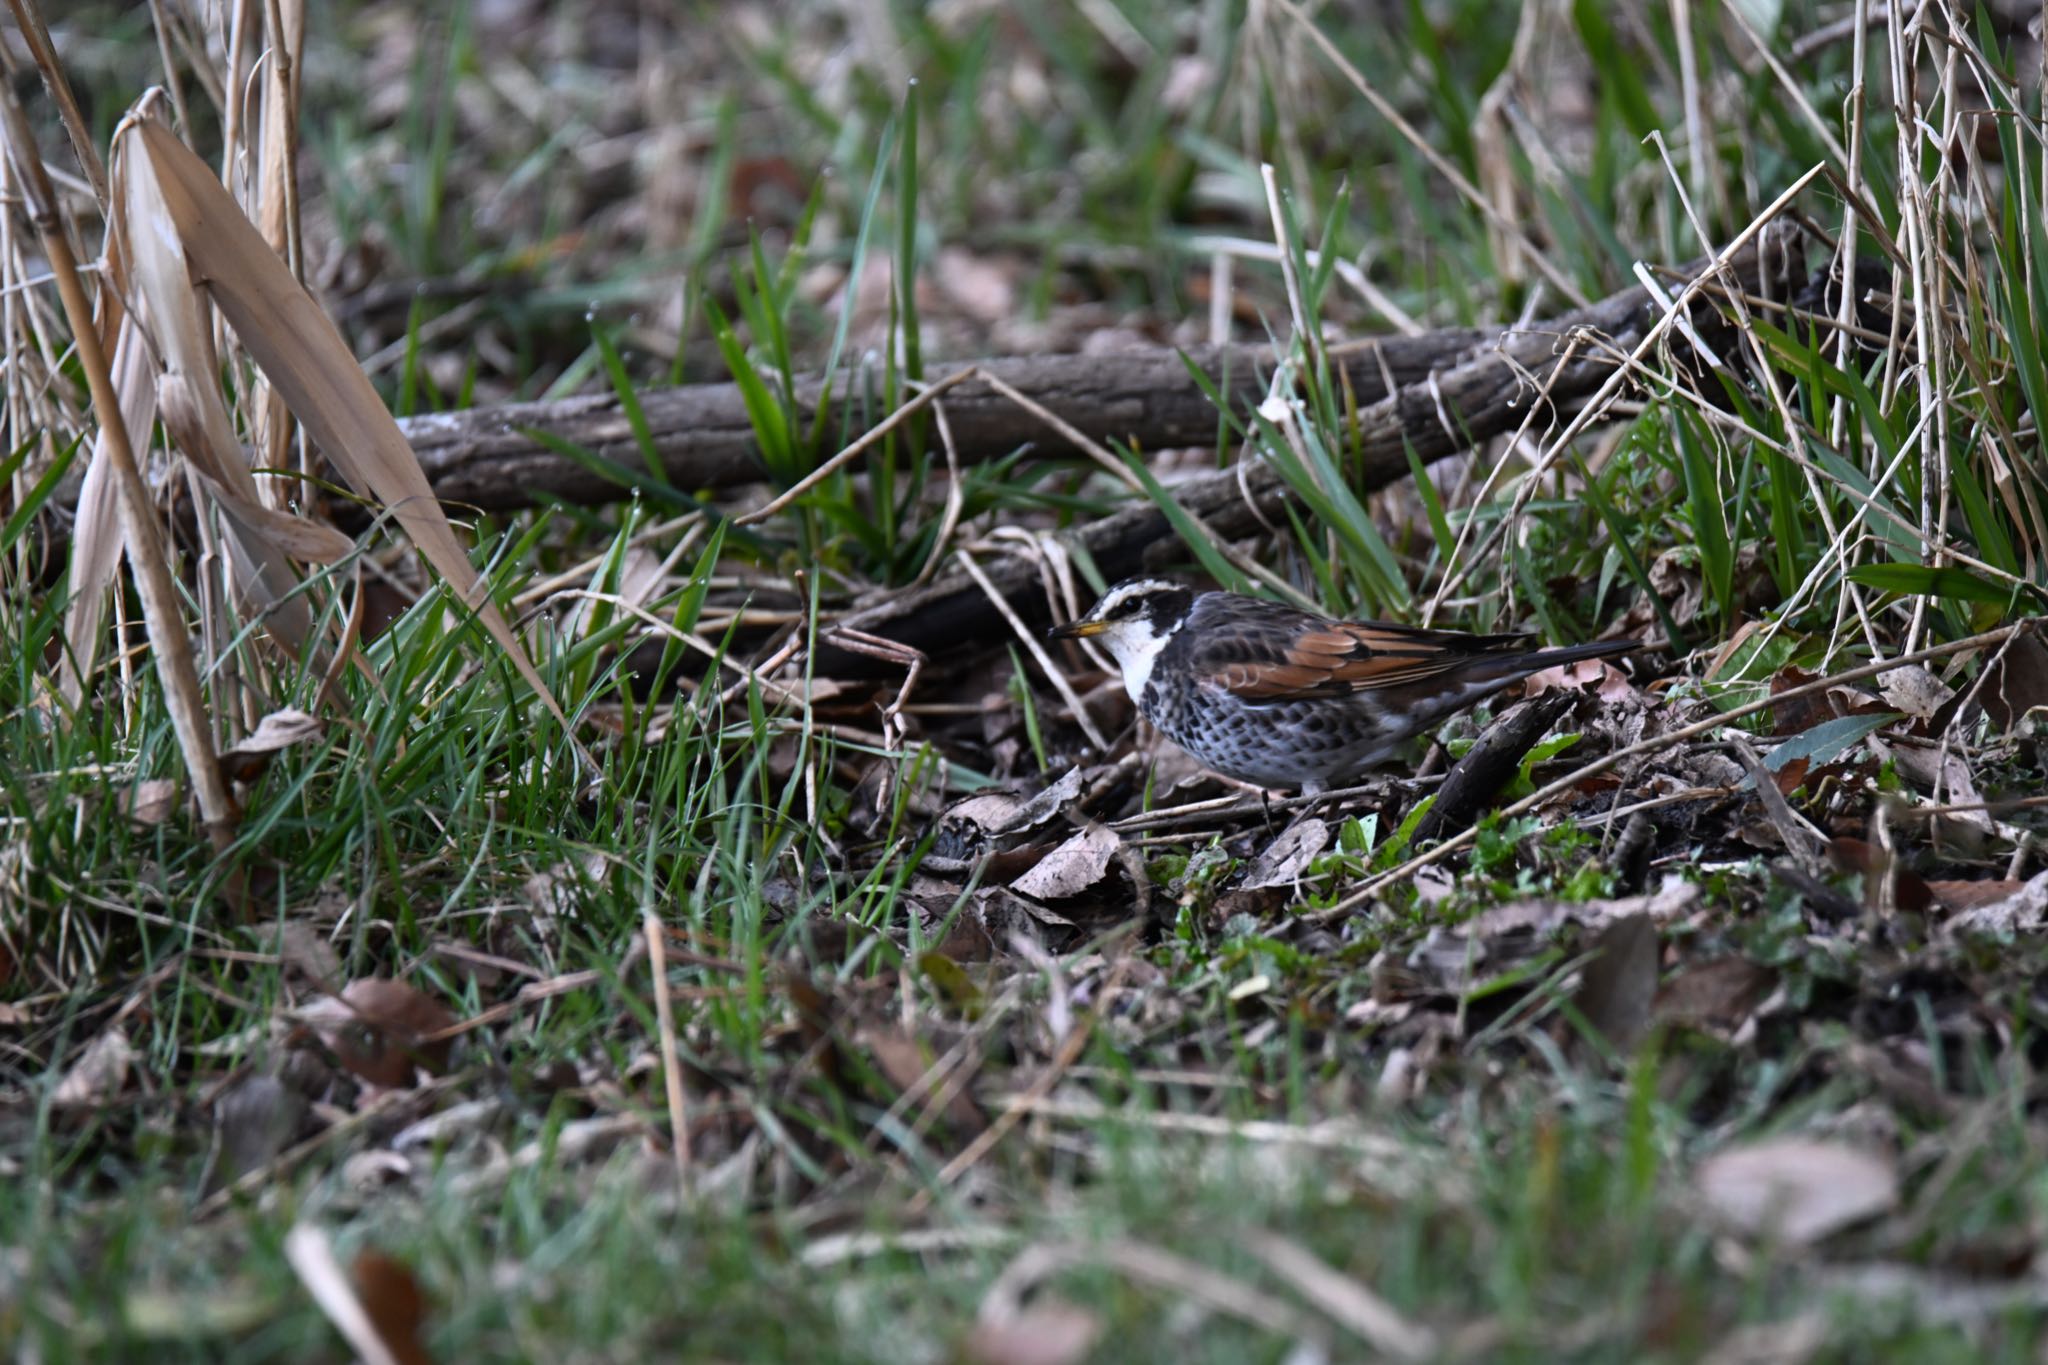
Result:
[[489, 457], [1477, 394]]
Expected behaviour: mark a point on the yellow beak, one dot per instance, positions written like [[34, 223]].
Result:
[[1078, 630]]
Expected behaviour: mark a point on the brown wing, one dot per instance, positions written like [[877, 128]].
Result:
[[1336, 658]]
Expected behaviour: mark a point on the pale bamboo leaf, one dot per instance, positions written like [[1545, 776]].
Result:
[[298, 348]]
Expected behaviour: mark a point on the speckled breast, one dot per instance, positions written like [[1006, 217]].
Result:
[[1324, 741]]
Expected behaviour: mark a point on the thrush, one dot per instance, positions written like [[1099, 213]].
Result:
[[1278, 697]]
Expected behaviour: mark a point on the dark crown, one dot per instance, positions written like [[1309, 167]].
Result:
[[1161, 603]]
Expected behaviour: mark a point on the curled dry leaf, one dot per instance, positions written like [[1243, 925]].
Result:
[[1073, 867], [1049, 1332], [382, 1030], [1796, 1191], [96, 535], [279, 730], [1598, 676], [194, 411], [302, 947], [969, 825], [1452, 959], [99, 1074]]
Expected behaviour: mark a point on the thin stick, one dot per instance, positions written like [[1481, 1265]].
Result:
[[1599, 765], [35, 34], [872, 435], [1031, 643], [671, 1061]]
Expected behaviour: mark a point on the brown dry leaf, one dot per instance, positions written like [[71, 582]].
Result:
[[2024, 909], [1796, 1191], [1289, 855], [99, 1074], [152, 801], [1618, 987], [1956, 895], [1452, 959], [397, 1306], [312, 1258], [905, 1060], [1909, 892], [1073, 867], [1720, 992], [2016, 683], [304, 357], [380, 1030], [1789, 778], [244, 762], [1049, 1332]]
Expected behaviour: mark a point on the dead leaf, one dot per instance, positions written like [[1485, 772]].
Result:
[[306, 950], [970, 829], [302, 354], [906, 1060], [2022, 910], [1618, 986], [2016, 683], [380, 1030], [1796, 1191], [1073, 867], [1871, 862], [152, 801], [1289, 855], [984, 289], [279, 730], [99, 1074], [1049, 1332], [1720, 992], [396, 1304], [253, 1120], [1957, 895], [1599, 676], [1914, 690]]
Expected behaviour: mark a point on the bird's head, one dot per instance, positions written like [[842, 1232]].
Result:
[[1133, 621]]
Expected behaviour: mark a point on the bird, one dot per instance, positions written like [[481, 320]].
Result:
[[1273, 696]]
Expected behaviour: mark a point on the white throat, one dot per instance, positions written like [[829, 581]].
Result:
[[1136, 647]]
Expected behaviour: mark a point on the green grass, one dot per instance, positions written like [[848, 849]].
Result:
[[1524, 1195]]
